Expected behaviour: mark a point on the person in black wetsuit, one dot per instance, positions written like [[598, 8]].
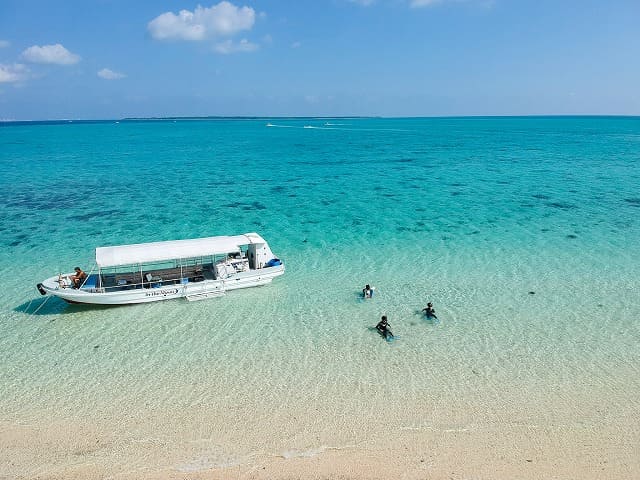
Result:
[[429, 311], [384, 328]]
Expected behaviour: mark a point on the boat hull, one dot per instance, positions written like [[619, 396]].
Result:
[[192, 290]]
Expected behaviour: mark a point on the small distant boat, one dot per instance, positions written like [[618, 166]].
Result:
[[194, 269]]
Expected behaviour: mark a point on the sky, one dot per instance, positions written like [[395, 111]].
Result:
[[106, 59]]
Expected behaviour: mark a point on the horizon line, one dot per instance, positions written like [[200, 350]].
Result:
[[304, 117]]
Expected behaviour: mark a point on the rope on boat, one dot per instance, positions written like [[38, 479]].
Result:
[[42, 304], [26, 310]]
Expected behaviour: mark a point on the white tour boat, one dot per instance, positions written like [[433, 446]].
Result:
[[193, 269]]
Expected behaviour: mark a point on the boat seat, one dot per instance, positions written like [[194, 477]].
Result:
[[153, 278]]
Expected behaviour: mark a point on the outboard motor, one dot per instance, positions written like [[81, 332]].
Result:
[[41, 289]]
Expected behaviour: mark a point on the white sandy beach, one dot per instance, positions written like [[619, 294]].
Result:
[[562, 436], [483, 451]]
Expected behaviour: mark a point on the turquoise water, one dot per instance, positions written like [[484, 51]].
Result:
[[522, 231]]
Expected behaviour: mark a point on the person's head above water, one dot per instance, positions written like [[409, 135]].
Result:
[[384, 318], [367, 287]]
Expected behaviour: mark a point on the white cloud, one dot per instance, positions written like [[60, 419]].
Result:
[[54, 54], [223, 19], [13, 73], [228, 47], [108, 74], [4, 44]]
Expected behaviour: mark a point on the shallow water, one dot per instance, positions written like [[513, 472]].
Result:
[[522, 231]]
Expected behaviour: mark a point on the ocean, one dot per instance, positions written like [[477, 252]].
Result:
[[523, 232]]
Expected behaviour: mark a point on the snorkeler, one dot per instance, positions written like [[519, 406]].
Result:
[[384, 328], [429, 311]]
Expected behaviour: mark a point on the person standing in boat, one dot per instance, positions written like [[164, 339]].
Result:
[[79, 278]]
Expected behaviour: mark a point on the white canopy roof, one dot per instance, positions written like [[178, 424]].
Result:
[[159, 251]]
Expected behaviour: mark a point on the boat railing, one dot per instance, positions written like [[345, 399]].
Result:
[[152, 278]]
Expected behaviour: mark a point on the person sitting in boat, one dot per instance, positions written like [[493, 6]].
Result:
[[79, 278], [429, 311], [367, 291], [384, 328]]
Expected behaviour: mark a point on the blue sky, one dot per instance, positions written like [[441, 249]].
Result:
[[98, 59]]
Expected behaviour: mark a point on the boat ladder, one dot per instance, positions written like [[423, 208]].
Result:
[[197, 292]]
